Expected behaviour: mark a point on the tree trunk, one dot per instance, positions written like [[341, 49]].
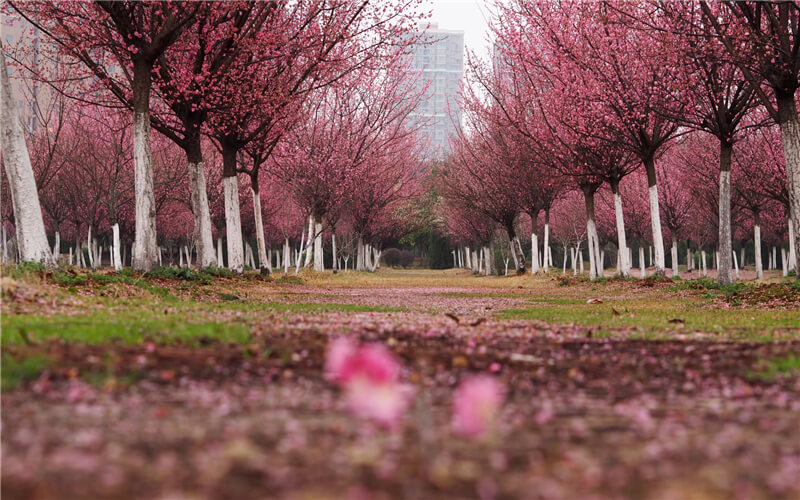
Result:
[[263, 262], [622, 243], [319, 262], [360, 254], [790, 133], [89, 248], [792, 248], [655, 214], [333, 250], [117, 259], [487, 256], [595, 268], [534, 252], [145, 247], [309, 247], [564, 270], [299, 257], [784, 262], [220, 260], [642, 266], [674, 257], [724, 274], [735, 264], [31, 236], [57, 248], [757, 245], [703, 261], [233, 221], [203, 238], [287, 256], [548, 257]]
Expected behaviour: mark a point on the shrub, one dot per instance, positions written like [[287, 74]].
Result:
[[394, 257]]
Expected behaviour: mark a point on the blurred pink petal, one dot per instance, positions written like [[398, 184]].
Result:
[[476, 404]]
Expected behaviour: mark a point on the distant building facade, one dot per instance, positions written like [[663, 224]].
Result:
[[440, 59]]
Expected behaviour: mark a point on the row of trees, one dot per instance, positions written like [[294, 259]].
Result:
[[672, 96], [307, 99]]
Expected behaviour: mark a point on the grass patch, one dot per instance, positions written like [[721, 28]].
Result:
[[778, 367], [655, 315], [15, 372], [130, 327]]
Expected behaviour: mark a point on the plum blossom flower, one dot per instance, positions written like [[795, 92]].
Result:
[[476, 403], [369, 375]]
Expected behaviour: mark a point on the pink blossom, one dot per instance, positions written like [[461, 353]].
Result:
[[476, 404], [369, 376]]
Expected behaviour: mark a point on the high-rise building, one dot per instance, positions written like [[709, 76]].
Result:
[[440, 59]]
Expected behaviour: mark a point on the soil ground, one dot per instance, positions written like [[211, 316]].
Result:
[[191, 386]]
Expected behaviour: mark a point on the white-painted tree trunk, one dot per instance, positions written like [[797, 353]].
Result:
[[480, 261], [650, 248], [117, 257], [487, 256], [309, 247], [622, 243], [346, 258], [655, 222], [70, 256], [160, 256], [548, 256], [506, 273], [736, 265], [742, 256], [180, 257], [757, 246], [319, 262], [57, 248], [579, 253], [704, 262], [689, 261], [675, 269], [263, 259], [233, 224], [220, 260], [642, 266], [784, 262], [287, 256], [774, 258], [564, 270], [299, 257], [360, 254], [468, 258], [601, 263], [31, 237], [89, 248], [534, 253], [792, 247], [203, 239], [334, 250], [144, 245]]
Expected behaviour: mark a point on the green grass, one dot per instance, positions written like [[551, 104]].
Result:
[[654, 315], [15, 372], [774, 368], [130, 326]]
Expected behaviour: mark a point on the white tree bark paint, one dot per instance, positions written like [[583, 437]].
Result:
[[534, 253], [790, 134], [233, 224], [220, 261], [548, 256], [724, 276], [735, 265], [299, 256], [703, 262], [674, 254], [160, 255], [655, 222], [319, 262], [204, 241], [468, 256], [757, 242], [89, 248], [180, 257], [263, 260], [784, 262], [70, 256], [334, 251], [622, 243], [792, 247], [144, 246], [287, 256], [57, 248], [487, 256], [309, 248], [117, 259], [642, 265], [513, 250], [31, 237], [360, 254]]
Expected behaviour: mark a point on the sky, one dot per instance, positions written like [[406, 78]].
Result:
[[470, 16]]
